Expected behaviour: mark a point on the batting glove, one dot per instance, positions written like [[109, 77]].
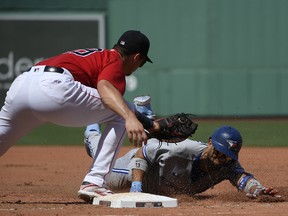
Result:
[[136, 186]]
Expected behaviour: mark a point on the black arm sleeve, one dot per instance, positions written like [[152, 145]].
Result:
[[146, 122]]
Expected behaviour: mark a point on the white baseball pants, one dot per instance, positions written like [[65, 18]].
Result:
[[36, 97]]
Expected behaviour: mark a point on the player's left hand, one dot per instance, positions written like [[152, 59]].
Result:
[[271, 195], [270, 191], [175, 128], [267, 194]]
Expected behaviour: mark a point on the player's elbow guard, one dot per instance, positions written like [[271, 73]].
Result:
[[138, 163]]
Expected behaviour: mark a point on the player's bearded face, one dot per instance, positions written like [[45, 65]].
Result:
[[142, 61], [215, 157], [218, 158], [132, 63]]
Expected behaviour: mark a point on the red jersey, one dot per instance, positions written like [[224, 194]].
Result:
[[91, 65]]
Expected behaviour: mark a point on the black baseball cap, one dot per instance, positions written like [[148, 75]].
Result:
[[135, 41]]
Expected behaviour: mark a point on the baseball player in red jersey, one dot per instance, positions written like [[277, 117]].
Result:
[[75, 89]]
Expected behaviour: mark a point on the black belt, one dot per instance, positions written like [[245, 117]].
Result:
[[50, 69], [53, 69]]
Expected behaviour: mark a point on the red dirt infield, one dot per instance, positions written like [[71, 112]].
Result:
[[44, 181]]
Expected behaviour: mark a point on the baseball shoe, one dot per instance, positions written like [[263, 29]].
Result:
[[143, 105], [88, 191]]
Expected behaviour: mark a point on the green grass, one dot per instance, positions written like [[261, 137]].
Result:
[[255, 132], [53, 135]]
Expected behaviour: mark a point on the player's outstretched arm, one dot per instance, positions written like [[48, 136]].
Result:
[[114, 100], [138, 166], [253, 189]]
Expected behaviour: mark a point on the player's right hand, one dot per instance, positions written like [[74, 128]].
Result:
[[135, 131]]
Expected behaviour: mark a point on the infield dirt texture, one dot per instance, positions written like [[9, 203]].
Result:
[[44, 181]]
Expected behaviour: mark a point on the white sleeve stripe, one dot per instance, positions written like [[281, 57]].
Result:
[[123, 171], [145, 155]]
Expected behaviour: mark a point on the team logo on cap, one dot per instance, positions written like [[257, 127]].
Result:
[[122, 43], [232, 144]]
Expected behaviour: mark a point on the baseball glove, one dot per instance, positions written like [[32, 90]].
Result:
[[175, 128]]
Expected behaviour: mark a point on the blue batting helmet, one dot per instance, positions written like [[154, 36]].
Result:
[[228, 141]]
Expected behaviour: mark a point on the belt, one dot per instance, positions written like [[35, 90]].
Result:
[[53, 69], [46, 69]]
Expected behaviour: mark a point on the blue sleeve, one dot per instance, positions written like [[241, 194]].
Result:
[[236, 172]]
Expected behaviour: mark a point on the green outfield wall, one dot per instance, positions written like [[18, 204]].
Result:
[[211, 57]]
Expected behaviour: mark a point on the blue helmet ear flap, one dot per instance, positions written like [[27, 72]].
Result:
[[228, 141]]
